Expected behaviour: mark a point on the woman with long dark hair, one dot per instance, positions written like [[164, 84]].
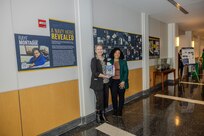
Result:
[[119, 82]]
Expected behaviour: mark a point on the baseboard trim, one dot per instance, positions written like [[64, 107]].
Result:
[[171, 82], [63, 128], [89, 118]]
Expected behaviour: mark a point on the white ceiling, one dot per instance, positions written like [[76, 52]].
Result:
[[164, 11]]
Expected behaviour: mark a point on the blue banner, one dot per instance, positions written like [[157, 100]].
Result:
[[56, 50], [33, 52], [63, 43]]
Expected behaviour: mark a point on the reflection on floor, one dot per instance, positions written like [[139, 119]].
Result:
[[155, 116]]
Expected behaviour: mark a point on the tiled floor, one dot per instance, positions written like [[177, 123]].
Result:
[[155, 116]]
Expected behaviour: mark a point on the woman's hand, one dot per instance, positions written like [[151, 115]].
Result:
[[122, 85], [104, 76]]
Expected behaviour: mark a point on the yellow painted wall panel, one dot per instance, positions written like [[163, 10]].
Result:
[[135, 82], [10, 124], [49, 106]]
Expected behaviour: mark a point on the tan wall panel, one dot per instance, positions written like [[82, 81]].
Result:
[[49, 106], [10, 124], [158, 77], [135, 82]]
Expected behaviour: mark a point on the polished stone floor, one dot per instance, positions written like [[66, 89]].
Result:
[[154, 116]]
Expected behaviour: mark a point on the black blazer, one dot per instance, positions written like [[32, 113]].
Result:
[[96, 69]]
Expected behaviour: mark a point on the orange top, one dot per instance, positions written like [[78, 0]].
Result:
[[117, 70]]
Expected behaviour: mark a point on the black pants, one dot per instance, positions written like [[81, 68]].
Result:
[[102, 97], [115, 92], [181, 71]]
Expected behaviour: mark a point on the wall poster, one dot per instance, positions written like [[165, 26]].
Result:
[[63, 43], [188, 55], [130, 44], [154, 47], [56, 50]]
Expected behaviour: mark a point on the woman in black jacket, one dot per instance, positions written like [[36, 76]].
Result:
[[99, 83]]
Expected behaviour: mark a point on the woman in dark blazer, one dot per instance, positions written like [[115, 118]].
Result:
[[99, 83], [119, 82]]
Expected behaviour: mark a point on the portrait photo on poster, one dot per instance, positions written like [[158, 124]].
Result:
[[32, 51]]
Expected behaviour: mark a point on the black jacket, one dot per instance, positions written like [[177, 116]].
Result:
[[96, 69]]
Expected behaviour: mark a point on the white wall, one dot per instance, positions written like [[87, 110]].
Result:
[[160, 30], [21, 16], [182, 41], [8, 68], [154, 27], [163, 40], [108, 14]]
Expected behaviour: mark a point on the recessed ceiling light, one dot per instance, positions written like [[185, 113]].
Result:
[[178, 6]]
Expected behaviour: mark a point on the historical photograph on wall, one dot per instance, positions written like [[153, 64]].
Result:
[[33, 52], [57, 50], [130, 44], [154, 47]]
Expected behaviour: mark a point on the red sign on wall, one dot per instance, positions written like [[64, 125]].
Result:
[[41, 23]]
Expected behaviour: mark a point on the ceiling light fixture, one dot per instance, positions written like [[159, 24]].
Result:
[[178, 6]]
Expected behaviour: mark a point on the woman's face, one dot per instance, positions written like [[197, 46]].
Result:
[[36, 53], [99, 51], [117, 54]]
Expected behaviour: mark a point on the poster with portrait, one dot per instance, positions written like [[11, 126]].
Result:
[[57, 50], [33, 52], [130, 44], [154, 47], [63, 43]]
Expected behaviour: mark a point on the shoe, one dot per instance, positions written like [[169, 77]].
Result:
[[98, 117], [120, 113], [103, 117], [114, 113]]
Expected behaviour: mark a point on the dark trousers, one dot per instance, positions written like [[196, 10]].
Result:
[[102, 97], [115, 92], [105, 95], [181, 71]]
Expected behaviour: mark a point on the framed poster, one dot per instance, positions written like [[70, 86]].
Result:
[[33, 52], [188, 55], [154, 47], [130, 44], [63, 43], [57, 50]]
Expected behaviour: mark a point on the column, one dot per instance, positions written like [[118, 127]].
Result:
[[84, 42], [145, 50], [172, 50], [188, 35]]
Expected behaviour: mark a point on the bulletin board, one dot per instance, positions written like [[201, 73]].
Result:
[[130, 44]]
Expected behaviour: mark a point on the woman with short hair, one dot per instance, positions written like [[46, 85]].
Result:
[[99, 83]]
